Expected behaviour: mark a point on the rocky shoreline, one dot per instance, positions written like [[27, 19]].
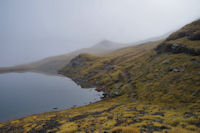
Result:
[[84, 83]]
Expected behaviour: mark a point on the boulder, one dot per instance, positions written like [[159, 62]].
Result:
[[194, 36], [165, 62]]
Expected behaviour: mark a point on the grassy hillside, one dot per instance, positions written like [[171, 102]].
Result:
[[170, 72], [167, 74], [149, 88]]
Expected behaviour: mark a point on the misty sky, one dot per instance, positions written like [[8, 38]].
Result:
[[33, 29]]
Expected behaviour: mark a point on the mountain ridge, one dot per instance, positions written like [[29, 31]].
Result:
[[51, 65]]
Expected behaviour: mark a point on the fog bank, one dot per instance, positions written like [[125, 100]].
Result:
[[34, 29]]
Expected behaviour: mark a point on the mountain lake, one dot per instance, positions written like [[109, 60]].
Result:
[[23, 94]]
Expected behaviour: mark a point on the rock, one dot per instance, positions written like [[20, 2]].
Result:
[[175, 70], [75, 63], [170, 69], [98, 89], [174, 46], [165, 62], [105, 95], [176, 49], [180, 69], [176, 35], [116, 93], [194, 36], [133, 99]]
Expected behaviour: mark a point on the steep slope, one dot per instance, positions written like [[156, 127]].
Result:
[[152, 87], [168, 73], [105, 72]]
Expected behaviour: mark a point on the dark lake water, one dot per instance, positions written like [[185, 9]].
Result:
[[23, 94]]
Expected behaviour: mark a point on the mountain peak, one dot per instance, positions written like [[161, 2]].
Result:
[[107, 44], [105, 41]]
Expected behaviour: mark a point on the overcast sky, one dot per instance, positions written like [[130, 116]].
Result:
[[33, 29]]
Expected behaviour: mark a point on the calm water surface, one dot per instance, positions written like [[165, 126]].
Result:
[[23, 94]]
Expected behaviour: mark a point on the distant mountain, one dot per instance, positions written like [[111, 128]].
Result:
[[106, 45]]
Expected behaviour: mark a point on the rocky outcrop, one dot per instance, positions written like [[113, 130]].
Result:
[[190, 31], [194, 36], [185, 40], [80, 59], [176, 49], [191, 35], [175, 36]]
